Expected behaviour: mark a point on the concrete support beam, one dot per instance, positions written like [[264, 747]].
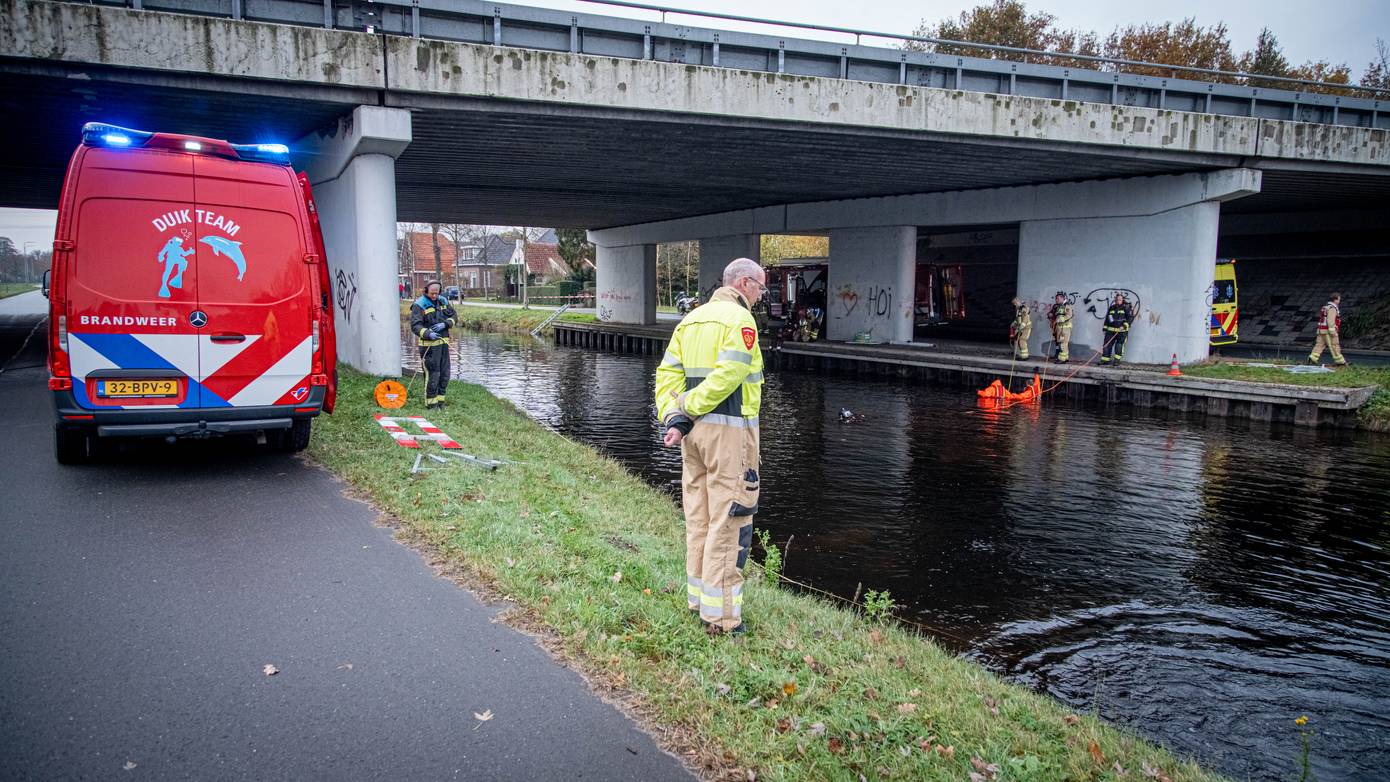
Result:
[[1166, 259], [717, 251], [627, 284], [871, 277], [352, 167], [1134, 196]]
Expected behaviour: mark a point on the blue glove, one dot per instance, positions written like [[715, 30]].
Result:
[[436, 332]]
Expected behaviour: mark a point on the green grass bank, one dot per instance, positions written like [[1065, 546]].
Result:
[[593, 559], [1374, 415], [8, 289], [504, 320]]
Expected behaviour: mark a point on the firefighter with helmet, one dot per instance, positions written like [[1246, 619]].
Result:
[[708, 392], [430, 318], [1060, 316], [1020, 329], [1117, 321]]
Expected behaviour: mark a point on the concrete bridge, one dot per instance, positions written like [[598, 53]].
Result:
[[648, 133]]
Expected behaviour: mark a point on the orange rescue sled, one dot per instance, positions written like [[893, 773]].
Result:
[[996, 392]]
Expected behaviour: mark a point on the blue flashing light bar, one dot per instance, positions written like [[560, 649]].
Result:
[[264, 153], [100, 134]]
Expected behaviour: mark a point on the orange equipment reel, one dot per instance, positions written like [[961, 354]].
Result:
[[390, 394]]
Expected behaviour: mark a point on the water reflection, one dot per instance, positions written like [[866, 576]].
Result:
[[1202, 582]]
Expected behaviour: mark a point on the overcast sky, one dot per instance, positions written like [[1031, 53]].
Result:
[[1335, 30]]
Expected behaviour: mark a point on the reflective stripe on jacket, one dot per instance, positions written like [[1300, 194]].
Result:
[[1330, 318], [1060, 316], [1118, 317], [713, 368], [427, 312]]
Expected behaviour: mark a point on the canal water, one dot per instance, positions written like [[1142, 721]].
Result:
[[1202, 582]]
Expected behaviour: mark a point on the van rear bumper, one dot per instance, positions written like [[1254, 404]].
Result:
[[184, 422]]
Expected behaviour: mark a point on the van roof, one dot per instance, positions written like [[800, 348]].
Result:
[[101, 134]]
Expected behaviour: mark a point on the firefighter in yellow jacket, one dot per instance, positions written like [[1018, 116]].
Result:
[[1060, 316], [1329, 332], [708, 390], [1021, 329]]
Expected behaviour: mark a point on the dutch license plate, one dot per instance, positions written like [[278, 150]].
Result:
[[137, 388]]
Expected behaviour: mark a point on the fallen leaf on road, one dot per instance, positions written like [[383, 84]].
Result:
[[270, 670], [129, 764], [481, 718], [789, 688], [345, 667]]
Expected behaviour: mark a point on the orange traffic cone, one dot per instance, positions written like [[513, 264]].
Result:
[[1173, 370]]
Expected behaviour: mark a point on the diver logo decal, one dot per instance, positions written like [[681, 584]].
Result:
[[749, 337], [174, 255], [300, 393]]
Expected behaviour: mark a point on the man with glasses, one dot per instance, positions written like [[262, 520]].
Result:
[[708, 390]]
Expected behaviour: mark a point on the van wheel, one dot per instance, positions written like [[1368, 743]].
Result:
[[294, 439], [72, 446]]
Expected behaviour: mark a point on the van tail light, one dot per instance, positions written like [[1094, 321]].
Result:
[[314, 344], [58, 357]]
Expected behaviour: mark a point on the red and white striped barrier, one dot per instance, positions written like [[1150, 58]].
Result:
[[405, 439]]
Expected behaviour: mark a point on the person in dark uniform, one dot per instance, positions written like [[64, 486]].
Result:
[[430, 319], [1117, 321]]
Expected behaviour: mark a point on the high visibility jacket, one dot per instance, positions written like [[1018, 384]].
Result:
[[713, 368], [1330, 319], [1023, 321], [1060, 315], [426, 313], [1118, 317]]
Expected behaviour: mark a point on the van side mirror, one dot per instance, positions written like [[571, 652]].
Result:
[[46, 272]]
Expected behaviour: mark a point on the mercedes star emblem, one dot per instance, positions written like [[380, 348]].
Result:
[[198, 319]]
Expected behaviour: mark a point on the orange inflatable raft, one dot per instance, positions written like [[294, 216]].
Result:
[[996, 392]]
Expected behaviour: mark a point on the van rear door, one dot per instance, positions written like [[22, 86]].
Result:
[[132, 281], [253, 284]]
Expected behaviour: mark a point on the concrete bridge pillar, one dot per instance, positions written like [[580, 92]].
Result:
[[1166, 259], [871, 278], [717, 251], [627, 284], [352, 168]]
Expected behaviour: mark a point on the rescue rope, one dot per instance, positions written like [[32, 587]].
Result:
[[929, 629], [1006, 404]]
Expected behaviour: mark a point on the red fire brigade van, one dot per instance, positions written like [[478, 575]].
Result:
[[189, 294]]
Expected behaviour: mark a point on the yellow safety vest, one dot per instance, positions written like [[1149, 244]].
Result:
[[713, 368]]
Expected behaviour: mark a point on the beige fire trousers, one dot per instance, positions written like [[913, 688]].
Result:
[[719, 479]]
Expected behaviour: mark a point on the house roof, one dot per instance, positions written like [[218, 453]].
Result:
[[545, 260], [422, 249]]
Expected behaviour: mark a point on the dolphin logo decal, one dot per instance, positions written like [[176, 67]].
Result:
[[223, 246]]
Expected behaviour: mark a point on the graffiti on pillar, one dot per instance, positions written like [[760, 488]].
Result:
[[1101, 297], [849, 298], [605, 314], [346, 293], [880, 300], [613, 294]]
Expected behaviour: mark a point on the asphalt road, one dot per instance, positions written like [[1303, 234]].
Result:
[[143, 596]]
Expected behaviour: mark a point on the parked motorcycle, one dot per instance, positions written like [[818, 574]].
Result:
[[685, 303]]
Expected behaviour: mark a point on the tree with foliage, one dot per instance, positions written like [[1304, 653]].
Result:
[[775, 248], [575, 249], [1378, 70], [1182, 43], [1004, 23], [677, 269]]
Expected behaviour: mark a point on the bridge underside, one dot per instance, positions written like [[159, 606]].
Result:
[[507, 162]]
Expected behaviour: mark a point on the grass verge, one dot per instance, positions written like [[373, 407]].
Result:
[[594, 560], [8, 289], [505, 320], [1375, 414]]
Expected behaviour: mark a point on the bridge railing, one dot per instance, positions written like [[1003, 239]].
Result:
[[503, 24]]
